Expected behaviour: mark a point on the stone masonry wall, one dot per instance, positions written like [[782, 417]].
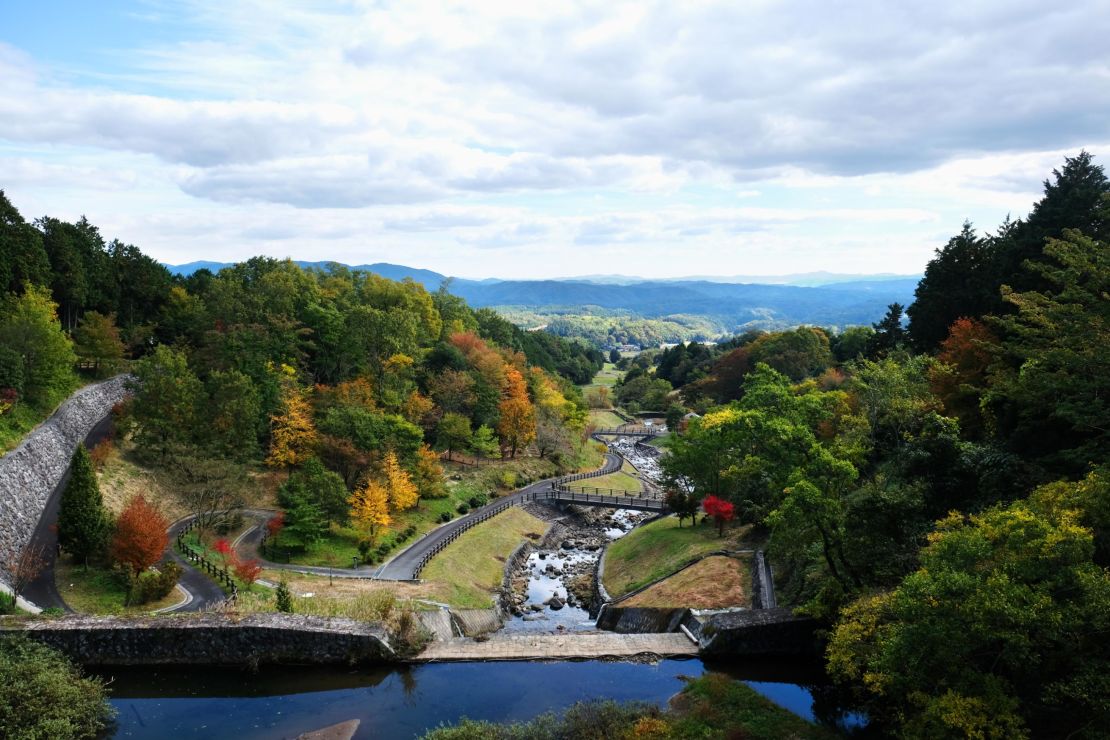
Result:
[[30, 472], [210, 639]]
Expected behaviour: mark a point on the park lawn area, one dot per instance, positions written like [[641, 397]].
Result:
[[604, 419], [716, 706], [100, 590], [340, 544], [659, 548], [712, 583], [607, 375], [469, 570], [623, 480], [354, 598]]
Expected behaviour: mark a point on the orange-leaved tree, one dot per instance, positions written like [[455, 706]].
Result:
[[140, 537], [517, 425]]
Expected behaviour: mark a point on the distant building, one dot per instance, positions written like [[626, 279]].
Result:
[[682, 425]]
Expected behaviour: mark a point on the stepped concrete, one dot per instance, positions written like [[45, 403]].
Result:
[[578, 646]]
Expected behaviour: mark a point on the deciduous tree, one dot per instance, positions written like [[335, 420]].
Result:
[[403, 493], [370, 507], [140, 538], [293, 433]]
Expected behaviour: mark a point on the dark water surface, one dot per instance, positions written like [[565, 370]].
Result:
[[406, 701]]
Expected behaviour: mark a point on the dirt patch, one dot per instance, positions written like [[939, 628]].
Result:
[[712, 583]]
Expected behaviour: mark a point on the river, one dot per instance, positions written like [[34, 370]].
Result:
[[404, 702]]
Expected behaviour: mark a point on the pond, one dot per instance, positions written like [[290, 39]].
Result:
[[403, 702]]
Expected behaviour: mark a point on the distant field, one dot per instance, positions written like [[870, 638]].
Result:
[[604, 419]]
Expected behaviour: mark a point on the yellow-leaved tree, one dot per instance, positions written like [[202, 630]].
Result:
[[403, 493], [293, 434], [370, 507]]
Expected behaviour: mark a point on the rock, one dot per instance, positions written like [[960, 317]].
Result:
[[555, 604], [536, 607], [593, 548], [543, 556], [342, 731], [567, 545]]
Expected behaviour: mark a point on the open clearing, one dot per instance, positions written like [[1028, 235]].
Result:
[[659, 548], [712, 583]]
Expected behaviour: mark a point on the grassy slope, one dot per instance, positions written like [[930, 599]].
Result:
[[471, 567], [623, 480], [657, 549], [712, 583], [99, 591], [604, 419], [23, 417]]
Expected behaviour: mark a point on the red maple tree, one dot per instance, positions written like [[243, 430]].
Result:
[[140, 537], [275, 525], [722, 511], [248, 571], [226, 552]]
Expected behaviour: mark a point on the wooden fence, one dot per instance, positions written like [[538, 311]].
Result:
[[218, 573]]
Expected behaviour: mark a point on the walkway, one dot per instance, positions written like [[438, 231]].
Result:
[[203, 591], [579, 646], [42, 591]]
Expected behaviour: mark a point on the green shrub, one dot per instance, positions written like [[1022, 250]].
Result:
[[384, 548], [445, 517], [282, 598], [478, 500], [43, 695], [507, 480], [463, 508], [152, 585]]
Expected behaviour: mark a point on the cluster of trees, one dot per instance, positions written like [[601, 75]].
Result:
[[134, 542], [946, 511]]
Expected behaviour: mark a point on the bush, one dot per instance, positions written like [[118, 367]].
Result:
[[507, 480], [282, 598], [478, 500], [43, 695], [384, 548], [445, 517], [462, 508], [152, 585]]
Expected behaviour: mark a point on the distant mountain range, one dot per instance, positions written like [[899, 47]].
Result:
[[768, 301]]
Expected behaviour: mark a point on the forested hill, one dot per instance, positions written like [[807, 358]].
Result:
[[246, 340], [731, 306]]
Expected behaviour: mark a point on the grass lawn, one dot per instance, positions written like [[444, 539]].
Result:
[[100, 591], [623, 480], [660, 548], [470, 568], [604, 419], [354, 598], [712, 583]]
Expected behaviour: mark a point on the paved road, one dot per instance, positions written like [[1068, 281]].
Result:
[[42, 592], [203, 591]]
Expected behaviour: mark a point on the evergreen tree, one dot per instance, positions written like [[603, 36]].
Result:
[[83, 524], [283, 598], [889, 334]]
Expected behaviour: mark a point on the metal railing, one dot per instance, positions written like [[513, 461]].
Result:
[[462, 526], [631, 431], [647, 503]]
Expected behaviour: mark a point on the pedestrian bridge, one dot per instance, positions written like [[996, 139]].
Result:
[[600, 497], [644, 432]]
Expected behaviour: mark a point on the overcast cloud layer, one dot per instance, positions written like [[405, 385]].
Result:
[[479, 139]]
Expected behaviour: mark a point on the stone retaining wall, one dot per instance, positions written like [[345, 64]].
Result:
[[751, 632], [210, 639], [30, 472]]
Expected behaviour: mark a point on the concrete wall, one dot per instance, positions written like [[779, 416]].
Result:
[[209, 639], [639, 619], [30, 472], [752, 632]]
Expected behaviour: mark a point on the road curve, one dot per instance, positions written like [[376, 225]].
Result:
[[203, 590]]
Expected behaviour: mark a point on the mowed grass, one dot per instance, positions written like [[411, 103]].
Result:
[[623, 480], [716, 706], [604, 419], [470, 568], [712, 583], [658, 549], [100, 591]]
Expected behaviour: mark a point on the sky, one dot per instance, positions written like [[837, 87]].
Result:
[[545, 139]]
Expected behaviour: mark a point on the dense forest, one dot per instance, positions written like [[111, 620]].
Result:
[[347, 381], [938, 495]]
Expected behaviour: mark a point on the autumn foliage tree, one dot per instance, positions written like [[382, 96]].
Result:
[[517, 426], [248, 570], [960, 376], [140, 537], [370, 507], [403, 493], [722, 512], [293, 431]]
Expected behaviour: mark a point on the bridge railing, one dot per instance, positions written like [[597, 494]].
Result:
[[650, 495], [625, 501], [631, 431]]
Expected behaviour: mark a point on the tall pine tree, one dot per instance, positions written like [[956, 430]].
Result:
[[83, 523]]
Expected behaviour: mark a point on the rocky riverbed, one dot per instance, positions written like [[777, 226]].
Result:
[[553, 588]]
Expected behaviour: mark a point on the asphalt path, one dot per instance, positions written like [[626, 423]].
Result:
[[42, 591], [203, 591]]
